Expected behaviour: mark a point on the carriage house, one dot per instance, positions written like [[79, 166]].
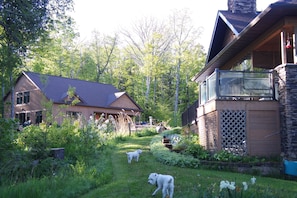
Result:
[[248, 87], [70, 98]]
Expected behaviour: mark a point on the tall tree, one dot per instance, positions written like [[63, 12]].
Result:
[[103, 48], [58, 53], [97, 56], [23, 22], [148, 44], [185, 38]]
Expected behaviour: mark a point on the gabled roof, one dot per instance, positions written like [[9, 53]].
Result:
[[89, 93], [227, 22], [113, 97], [219, 54]]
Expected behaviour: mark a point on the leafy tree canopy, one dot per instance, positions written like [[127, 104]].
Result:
[[21, 24], [25, 21]]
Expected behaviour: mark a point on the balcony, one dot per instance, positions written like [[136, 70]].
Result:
[[238, 112], [238, 85]]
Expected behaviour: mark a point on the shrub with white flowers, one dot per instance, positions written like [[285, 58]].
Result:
[[229, 189]]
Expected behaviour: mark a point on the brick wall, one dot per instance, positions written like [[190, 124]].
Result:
[[208, 132]]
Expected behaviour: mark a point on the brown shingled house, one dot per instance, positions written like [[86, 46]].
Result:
[[247, 89], [91, 98]]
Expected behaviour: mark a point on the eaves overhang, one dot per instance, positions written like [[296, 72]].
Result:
[[252, 31]]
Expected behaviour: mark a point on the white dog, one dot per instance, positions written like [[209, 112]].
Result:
[[134, 154], [166, 182]]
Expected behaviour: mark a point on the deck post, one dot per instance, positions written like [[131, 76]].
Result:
[[283, 47], [294, 45]]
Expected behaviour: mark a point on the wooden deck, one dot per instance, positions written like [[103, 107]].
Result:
[[259, 131]]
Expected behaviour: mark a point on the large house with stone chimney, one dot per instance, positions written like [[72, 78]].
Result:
[[247, 89], [70, 98]]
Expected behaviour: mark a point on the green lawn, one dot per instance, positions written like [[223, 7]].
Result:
[[130, 180]]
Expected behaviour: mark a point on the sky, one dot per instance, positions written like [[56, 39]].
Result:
[[108, 16]]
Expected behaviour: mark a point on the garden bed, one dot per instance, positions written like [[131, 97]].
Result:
[[187, 147], [258, 168]]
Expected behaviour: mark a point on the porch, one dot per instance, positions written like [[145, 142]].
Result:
[[238, 112], [245, 127]]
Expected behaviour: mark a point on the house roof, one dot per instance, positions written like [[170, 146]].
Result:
[[89, 93], [245, 28], [227, 22]]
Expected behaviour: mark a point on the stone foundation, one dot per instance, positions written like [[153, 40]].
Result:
[[287, 82]]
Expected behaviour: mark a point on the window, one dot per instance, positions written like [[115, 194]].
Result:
[[202, 92], [26, 97], [38, 117], [23, 97], [21, 117], [19, 98], [73, 114]]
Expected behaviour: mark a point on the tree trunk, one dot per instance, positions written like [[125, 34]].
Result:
[[3, 93], [12, 95], [147, 92], [177, 91]]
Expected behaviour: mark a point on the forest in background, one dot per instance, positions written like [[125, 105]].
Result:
[[153, 61]]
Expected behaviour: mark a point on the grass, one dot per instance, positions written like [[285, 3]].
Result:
[[110, 176], [130, 180]]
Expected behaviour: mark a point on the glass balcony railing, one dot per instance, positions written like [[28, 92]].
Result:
[[238, 85]]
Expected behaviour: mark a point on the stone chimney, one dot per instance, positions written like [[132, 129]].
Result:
[[289, 1], [242, 6]]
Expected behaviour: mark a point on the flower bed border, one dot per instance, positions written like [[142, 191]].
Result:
[[259, 168]]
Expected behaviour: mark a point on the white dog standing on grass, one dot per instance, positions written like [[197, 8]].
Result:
[[133, 154], [164, 182]]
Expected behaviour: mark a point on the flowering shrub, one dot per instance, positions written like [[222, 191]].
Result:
[[229, 189]]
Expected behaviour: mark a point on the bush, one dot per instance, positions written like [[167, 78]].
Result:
[[29, 150], [226, 156], [165, 156], [8, 134], [189, 145], [197, 151], [72, 181], [146, 132]]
